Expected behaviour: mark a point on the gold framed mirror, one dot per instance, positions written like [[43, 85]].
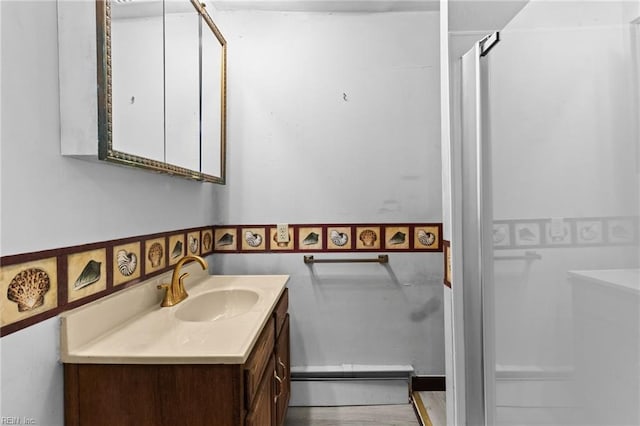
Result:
[[161, 73], [213, 91]]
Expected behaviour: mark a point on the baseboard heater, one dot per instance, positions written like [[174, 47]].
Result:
[[350, 384]]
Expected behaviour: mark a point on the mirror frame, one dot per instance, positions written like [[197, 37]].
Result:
[[201, 8], [105, 115]]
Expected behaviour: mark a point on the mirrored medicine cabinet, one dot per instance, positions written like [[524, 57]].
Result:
[[154, 95]]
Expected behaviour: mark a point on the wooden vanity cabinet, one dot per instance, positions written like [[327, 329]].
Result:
[[255, 393]]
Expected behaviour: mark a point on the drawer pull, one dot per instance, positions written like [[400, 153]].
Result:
[[275, 374], [284, 368]]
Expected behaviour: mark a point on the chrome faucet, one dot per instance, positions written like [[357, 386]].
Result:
[[175, 292]]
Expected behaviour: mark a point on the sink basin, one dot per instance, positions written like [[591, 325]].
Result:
[[217, 305]]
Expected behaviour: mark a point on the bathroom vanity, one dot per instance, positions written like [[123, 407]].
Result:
[[606, 330], [129, 361]]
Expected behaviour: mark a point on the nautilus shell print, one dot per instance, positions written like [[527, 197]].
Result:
[[28, 288], [89, 275], [127, 262], [155, 254], [426, 238], [193, 244], [338, 238], [590, 232], [253, 239]]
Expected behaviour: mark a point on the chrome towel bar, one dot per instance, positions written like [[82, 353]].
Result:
[[528, 255], [382, 258]]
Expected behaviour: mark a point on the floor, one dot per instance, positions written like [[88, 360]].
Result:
[[434, 403], [379, 415]]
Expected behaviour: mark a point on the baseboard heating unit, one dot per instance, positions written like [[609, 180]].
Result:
[[350, 384]]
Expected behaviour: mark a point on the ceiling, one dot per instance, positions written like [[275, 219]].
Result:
[[464, 15], [363, 6], [482, 15]]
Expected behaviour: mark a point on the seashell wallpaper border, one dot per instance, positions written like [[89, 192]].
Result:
[[310, 238], [565, 232], [37, 286]]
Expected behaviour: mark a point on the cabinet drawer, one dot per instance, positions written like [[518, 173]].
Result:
[[255, 365], [280, 312]]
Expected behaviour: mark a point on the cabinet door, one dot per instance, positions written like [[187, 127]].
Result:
[[256, 365], [262, 411], [280, 312], [283, 371]]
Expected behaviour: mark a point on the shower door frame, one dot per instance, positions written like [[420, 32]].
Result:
[[472, 227], [635, 49]]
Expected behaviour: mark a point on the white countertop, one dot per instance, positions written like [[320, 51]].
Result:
[[151, 334], [622, 279]]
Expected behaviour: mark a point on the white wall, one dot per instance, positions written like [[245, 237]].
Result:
[[372, 157], [302, 153], [49, 201]]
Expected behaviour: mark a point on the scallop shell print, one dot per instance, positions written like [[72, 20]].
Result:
[[89, 275], [193, 244], [426, 238], [368, 237], [177, 250], [311, 239], [254, 240], [398, 238], [338, 238], [155, 254], [28, 288], [127, 262], [206, 241]]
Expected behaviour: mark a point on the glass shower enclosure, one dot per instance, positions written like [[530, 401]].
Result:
[[550, 152]]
